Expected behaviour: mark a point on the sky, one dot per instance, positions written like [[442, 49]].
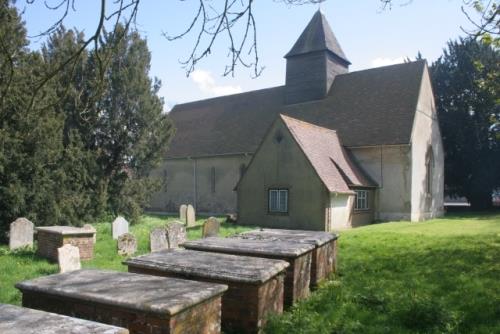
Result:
[[369, 36]]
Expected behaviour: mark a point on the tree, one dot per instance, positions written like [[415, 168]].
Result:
[[84, 144], [131, 132], [468, 109]]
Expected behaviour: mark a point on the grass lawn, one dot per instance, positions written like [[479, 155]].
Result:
[[439, 276], [24, 264]]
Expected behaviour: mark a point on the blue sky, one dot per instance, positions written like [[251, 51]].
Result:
[[369, 37]]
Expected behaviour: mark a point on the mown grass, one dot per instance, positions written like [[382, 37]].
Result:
[[439, 276], [24, 264]]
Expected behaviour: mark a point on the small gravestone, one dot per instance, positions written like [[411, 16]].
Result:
[[176, 234], [127, 244], [68, 257], [231, 218], [91, 228], [21, 233], [120, 226], [190, 216], [158, 239], [183, 213], [210, 227]]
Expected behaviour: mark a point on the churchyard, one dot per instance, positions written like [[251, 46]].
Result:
[[439, 276]]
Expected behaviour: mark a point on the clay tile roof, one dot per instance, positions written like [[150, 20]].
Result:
[[317, 36], [323, 149], [366, 108]]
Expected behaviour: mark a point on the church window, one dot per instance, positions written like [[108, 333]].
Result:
[[429, 164], [361, 200], [278, 200], [212, 174]]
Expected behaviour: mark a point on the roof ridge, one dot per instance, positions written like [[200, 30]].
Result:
[[214, 98], [293, 119], [413, 62]]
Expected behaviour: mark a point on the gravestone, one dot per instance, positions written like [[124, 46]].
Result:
[[210, 227], [21, 233], [176, 234], [91, 228], [231, 218], [120, 226], [127, 244], [190, 216], [183, 213], [68, 257], [158, 239]]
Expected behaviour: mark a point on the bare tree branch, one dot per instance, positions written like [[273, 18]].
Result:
[[227, 21]]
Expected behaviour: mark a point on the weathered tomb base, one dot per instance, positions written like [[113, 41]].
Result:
[[20, 320], [245, 307], [143, 304], [202, 318], [53, 237]]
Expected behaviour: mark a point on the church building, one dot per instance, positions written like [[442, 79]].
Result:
[[329, 149]]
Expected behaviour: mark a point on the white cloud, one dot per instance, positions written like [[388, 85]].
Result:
[[381, 61], [206, 83]]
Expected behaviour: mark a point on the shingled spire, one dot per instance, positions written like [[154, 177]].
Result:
[[313, 62]]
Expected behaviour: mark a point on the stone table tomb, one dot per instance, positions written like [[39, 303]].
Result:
[[50, 238], [20, 320], [324, 255], [256, 281], [298, 255], [143, 304]]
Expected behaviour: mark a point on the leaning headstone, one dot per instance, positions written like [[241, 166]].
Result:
[[68, 257], [127, 244], [190, 216], [210, 227], [21, 233], [183, 213], [176, 234], [120, 226], [158, 239], [91, 228]]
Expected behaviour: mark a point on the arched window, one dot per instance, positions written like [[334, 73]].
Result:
[[212, 176], [429, 166]]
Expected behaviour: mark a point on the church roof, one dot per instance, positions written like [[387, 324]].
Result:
[[330, 160], [366, 108], [317, 36]]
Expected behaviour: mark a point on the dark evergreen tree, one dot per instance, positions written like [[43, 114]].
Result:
[[467, 98], [131, 132]]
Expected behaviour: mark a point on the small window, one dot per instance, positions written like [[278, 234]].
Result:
[[430, 171], [278, 200], [213, 179], [361, 200]]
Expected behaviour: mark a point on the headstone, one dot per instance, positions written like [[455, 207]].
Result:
[[231, 218], [210, 227], [190, 216], [158, 239], [68, 257], [176, 234], [120, 226], [21, 233], [91, 228], [127, 244], [183, 213]]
